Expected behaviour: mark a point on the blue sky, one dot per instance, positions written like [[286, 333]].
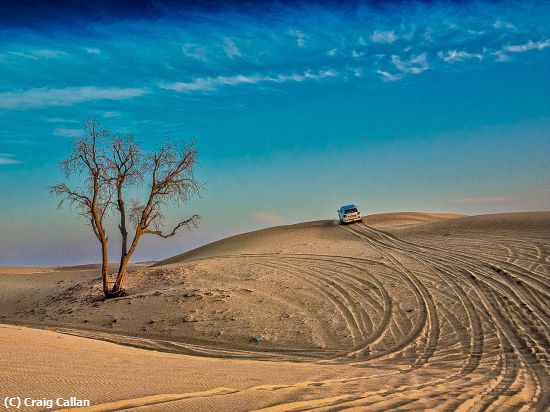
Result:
[[296, 109]]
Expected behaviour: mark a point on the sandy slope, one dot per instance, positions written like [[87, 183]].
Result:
[[448, 313], [113, 376]]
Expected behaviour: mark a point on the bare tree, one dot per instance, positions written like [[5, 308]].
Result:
[[107, 165]]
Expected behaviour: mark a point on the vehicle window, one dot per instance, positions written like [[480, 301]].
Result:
[[351, 210]]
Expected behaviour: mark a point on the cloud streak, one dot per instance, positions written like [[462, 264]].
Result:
[[452, 56], [530, 45], [208, 84], [387, 37], [387, 76], [46, 97], [65, 132], [300, 38], [230, 48], [195, 51], [93, 50], [8, 159], [499, 24], [415, 64], [35, 54]]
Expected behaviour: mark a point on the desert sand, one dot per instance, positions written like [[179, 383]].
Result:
[[403, 311]]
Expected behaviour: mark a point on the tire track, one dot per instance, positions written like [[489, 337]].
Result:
[[427, 306], [495, 292]]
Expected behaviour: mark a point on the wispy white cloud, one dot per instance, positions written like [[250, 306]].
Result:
[[111, 114], [66, 132], [45, 97], [387, 76], [451, 25], [60, 120], [36, 54], [230, 48], [211, 83], [195, 51], [475, 32], [383, 36], [8, 159], [452, 56], [19, 54], [500, 56], [300, 38], [530, 45], [499, 24], [332, 52], [48, 53], [206, 84], [356, 54], [93, 50], [413, 65]]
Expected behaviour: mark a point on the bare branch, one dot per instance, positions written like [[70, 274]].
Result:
[[189, 223]]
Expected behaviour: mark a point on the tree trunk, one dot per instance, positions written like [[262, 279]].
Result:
[[105, 267], [123, 231], [117, 290], [122, 271]]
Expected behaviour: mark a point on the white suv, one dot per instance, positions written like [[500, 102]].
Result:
[[349, 213]]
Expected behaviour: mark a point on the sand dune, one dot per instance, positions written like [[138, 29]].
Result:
[[383, 220], [404, 310]]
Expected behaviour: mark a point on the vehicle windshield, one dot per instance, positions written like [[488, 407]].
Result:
[[354, 210]]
